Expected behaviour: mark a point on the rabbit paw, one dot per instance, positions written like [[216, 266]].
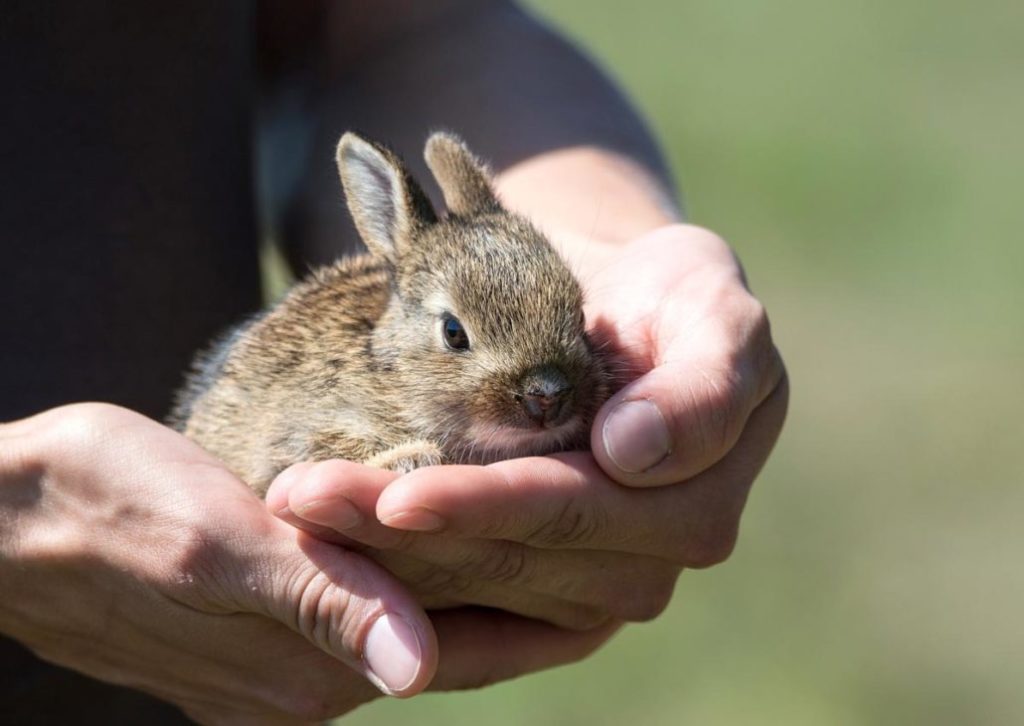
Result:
[[408, 456]]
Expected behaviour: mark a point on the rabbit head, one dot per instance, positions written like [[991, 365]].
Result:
[[484, 337]]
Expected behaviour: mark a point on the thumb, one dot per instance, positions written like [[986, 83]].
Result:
[[676, 421], [346, 605]]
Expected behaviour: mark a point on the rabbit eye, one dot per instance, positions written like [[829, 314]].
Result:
[[454, 334]]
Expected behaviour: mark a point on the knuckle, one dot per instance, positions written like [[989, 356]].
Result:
[[507, 562], [571, 524], [495, 528], [646, 601], [440, 581], [79, 424], [399, 540], [584, 617], [764, 357], [314, 607], [757, 320], [717, 410], [711, 545], [733, 379], [86, 430]]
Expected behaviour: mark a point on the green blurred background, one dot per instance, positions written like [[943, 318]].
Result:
[[866, 159]]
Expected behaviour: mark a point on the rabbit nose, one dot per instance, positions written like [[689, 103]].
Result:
[[544, 395], [542, 409]]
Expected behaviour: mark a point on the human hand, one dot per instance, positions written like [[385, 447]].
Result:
[[704, 382], [557, 537], [703, 398], [130, 554], [570, 587]]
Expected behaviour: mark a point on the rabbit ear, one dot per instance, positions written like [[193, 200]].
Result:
[[387, 205], [463, 178]]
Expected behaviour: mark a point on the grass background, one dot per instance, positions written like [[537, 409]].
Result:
[[866, 160]]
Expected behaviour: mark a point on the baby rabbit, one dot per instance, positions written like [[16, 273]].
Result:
[[455, 340]]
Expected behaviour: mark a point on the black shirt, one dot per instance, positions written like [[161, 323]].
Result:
[[127, 235]]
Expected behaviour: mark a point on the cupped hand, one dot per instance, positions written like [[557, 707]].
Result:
[[694, 349], [131, 555], [449, 560], [576, 539]]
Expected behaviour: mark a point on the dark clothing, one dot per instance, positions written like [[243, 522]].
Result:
[[127, 235]]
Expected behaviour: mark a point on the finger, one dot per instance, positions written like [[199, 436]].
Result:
[[576, 589], [345, 604], [572, 589], [481, 647], [567, 501], [689, 410], [327, 498], [444, 587], [440, 571]]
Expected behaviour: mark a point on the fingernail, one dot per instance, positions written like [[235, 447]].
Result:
[[419, 519], [338, 513], [635, 436], [392, 653]]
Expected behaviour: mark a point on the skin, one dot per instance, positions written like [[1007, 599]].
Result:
[[131, 555], [576, 539], [137, 558]]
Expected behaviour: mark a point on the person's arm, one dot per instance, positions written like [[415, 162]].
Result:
[[556, 537], [129, 554], [511, 87]]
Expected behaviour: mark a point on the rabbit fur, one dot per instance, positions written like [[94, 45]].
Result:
[[361, 360]]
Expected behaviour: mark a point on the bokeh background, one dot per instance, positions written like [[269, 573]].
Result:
[[866, 159]]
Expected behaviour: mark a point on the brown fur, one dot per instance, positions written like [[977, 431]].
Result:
[[352, 363]]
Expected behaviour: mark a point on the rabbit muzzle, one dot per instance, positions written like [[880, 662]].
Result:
[[544, 396]]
